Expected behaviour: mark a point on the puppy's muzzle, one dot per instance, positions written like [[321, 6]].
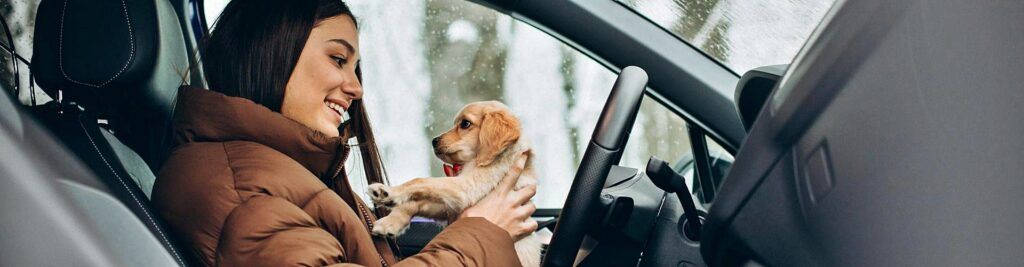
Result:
[[437, 149]]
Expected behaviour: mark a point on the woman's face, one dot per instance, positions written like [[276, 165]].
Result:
[[323, 84]]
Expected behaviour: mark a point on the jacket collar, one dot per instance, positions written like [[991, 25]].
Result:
[[208, 116]]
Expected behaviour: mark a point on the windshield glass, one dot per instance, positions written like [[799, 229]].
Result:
[[740, 34]]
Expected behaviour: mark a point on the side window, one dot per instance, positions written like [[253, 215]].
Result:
[[719, 163], [661, 133], [423, 60], [212, 10], [19, 17], [657, 132]]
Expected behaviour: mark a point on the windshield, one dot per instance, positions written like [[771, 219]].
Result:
[[740, 34]]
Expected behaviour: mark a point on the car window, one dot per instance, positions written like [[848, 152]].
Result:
[[212, 10], [20, 16], [720, 160], [423, 60], [741, 34], [432, 57], [657, 132]]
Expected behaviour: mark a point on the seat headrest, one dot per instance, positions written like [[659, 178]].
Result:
[[122, 60], [103, 52]]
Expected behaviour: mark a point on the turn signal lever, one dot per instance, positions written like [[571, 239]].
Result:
[[667, 179]]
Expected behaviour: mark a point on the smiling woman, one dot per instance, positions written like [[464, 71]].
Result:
[[299, 82], [327, 64], [256, 176]]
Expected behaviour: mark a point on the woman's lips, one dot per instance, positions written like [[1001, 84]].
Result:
[[340, 108], [336, 110], [340, 102]]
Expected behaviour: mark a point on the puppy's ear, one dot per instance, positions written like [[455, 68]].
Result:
[[498, 131]]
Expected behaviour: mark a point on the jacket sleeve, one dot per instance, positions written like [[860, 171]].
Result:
[[270, 231], [467, 242]]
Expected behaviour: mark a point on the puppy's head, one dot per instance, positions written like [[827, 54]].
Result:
[[482, 131]]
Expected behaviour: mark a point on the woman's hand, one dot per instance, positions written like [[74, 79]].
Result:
[[506, 207]]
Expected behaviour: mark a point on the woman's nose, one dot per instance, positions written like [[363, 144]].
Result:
[[354, 90]]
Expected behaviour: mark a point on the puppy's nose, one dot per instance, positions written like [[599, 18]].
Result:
[[436, 139]]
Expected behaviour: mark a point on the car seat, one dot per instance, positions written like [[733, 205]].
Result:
[[113, 68]]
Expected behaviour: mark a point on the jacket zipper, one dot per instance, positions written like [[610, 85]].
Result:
[[365, 216]]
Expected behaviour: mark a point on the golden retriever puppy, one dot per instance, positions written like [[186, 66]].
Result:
[[478, 151]]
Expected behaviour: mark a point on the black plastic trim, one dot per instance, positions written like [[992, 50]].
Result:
[[702, 163]]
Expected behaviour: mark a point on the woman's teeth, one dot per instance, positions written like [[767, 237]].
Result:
[[335, 107]]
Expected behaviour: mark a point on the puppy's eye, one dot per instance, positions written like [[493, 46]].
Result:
[[464, 124]]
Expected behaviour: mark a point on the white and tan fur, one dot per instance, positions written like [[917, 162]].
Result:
[[487, 149]]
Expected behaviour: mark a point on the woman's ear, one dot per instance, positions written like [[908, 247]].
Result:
[[498, 131]]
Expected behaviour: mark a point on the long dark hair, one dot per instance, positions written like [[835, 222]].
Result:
[[254, 48]]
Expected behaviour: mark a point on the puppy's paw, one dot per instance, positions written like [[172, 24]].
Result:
[[380, 194], [389, 227]]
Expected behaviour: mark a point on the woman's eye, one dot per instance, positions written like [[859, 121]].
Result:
[[340, 60], [465, 124]]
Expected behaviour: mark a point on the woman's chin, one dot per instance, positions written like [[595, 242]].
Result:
[[330, 131]]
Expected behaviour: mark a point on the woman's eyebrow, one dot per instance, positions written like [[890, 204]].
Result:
[[351, 49]]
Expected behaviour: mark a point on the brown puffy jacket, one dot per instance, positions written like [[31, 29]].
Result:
[[246, 186]]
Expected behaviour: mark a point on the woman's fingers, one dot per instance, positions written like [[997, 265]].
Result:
[[531, 225], [523, 195], [527, 209], [512, 176], [508, 208], [526, 228]]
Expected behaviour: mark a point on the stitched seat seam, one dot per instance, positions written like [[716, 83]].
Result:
[[132, 194]]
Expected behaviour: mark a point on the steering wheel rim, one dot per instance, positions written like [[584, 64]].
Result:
[[603, 151]]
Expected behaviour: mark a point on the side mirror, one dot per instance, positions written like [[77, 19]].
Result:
[[753, 89]]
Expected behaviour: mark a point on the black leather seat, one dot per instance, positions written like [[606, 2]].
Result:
[[114, 68]]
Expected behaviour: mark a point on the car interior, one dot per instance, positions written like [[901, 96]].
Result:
[[889, 139]]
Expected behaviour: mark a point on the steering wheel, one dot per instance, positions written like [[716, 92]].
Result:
[[603, 151]]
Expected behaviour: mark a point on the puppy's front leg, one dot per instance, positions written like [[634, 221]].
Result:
[[434, 189], [439, 197], [380, 195], [397, 221]]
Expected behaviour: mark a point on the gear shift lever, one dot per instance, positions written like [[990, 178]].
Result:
[[667, 179]]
